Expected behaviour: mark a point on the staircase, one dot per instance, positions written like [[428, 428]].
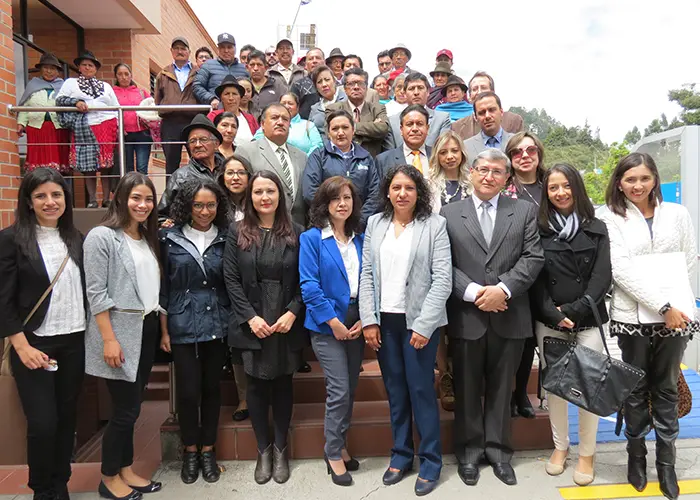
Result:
[[369, 434]]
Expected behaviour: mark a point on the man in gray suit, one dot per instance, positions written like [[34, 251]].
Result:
[[413, 151], [489, 114], [273, 153], [417, 89], [496, 257]]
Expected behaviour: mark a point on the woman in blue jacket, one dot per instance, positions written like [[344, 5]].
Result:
[[193, 294], [341, 156], [330, 259]]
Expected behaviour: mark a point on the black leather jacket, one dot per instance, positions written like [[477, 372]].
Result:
[[193, 170]]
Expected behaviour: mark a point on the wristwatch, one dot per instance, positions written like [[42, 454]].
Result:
[[664, 309]]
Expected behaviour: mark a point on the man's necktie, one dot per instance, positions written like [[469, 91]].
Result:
[[491, 142], [357, 115], [285, 168], [416, 161], [485, 222]]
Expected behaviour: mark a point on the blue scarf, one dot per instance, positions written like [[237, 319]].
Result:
[[457, 110]]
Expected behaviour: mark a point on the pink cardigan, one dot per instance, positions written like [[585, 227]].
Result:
[[131, 96]]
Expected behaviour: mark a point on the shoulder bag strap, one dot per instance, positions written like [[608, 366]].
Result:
[[48, 290], [598, 321]]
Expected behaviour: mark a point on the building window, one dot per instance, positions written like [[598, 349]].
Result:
[[307, 41]]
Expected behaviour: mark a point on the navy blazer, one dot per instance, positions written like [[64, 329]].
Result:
[[325, 288]]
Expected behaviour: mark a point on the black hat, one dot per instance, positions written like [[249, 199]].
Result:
[[48, 59], [335, 53], [229, 81], [454, 80], [89, 56], [200, 121], [225, 38]]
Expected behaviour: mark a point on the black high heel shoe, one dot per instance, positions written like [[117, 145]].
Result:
[[344, 479], [352, 465]]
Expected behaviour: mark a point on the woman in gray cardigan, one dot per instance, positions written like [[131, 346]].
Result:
[[123, 285]]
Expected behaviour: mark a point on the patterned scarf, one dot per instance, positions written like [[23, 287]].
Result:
[[567, 227], [91, 86]]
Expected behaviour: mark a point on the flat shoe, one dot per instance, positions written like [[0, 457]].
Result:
[[240, 415], [151, 487], [555, 469], [582, 478], [424, 487], [105, 493], [392, 477]]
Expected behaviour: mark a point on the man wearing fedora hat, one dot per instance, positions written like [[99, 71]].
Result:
[[400, 55], [335, 62], [439, 75], [202, 140], [285, 71], [212, 72], [454, 94]]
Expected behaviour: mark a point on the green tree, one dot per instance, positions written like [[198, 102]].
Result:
[[633, 136], [688, 99], [597, 181]]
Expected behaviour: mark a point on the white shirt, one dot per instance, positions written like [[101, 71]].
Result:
[[394, 108], [66, 312], [351, 261], [473, 287], [276, 149], [70, 88], [200, 239], [394, 254], [244, 133], [408, 155], [285, 72], [147, 273]]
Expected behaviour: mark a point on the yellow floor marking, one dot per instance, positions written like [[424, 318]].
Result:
[[610, 491]]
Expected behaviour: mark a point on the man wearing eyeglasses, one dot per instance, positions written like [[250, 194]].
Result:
[[371, 125], [496, 257], [285, 70], [489, 113], [202, 140]]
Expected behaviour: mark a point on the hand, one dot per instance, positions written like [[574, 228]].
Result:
[[82, 107], [355, 331], [259, 327], [215, 104], [20, 130], [113, 354], [418, 341], [372, 336], [340, 331], [675, 319], [32, 358], [165, 342], [491, 299], [566, 323], [284, 323], [167, 223]]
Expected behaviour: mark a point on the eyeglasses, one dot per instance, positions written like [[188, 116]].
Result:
[[236, 173], [495, 172], [269, 53], [516, 154], [202, 140], [198, 207], [352, 85]]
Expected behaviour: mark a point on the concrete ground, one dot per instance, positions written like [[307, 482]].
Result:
[[309, 480]]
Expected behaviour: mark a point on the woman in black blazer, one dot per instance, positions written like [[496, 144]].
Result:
[[261, 270], [47, 352]]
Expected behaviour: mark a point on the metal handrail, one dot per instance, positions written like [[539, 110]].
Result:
[[120, 117]]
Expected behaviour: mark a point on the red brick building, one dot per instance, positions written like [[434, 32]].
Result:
[[137, 32]]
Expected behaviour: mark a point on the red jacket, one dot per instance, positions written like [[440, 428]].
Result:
[[252, 122], [131, 96]]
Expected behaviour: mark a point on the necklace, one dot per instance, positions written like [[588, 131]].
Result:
[[448, 197], [403, 224], [537, 203]]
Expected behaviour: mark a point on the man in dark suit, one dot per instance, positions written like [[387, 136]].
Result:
[[496, 257], [371, 124], [412, 151], [489, 114]]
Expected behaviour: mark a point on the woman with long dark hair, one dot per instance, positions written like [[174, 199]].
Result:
[[43, 248], [332, 316], [405, 282], [123, 289], [193, 294], [577, 250], [641, 223], [234, 180], [261, 268]]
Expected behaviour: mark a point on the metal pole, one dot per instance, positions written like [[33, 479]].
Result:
[[289, 30], [122, 155]]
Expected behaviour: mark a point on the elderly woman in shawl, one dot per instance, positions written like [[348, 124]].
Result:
[[47, 142], [94, 133]]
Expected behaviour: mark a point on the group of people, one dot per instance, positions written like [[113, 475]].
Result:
[[395, 232]]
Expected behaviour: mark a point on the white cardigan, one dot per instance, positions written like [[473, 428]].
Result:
[[629, 236]]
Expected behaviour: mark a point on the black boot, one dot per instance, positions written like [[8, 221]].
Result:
[[190, 467], [668, 482], [210, 469], [62, 492], [263, 469], [637, 463]]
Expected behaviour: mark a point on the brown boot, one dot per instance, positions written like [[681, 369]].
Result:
[[447, 393]]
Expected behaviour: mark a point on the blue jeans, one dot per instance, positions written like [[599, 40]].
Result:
[[138, 143], [409, 378]]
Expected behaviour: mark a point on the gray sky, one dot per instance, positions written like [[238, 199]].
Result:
[[609, 62]]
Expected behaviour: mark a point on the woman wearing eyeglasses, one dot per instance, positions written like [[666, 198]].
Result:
[[526, 153]]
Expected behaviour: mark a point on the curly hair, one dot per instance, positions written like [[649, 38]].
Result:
[[181, 209], [423, 208], [329, 190]]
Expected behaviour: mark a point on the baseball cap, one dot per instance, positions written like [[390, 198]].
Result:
[[445, 52], [225, 38], [180, 39], [284, 40]]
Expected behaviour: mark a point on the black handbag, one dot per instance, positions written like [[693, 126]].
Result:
[[587, 378]]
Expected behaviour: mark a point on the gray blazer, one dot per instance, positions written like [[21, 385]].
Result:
[[262, 157], [393, 157], [514, 257], [439, 122], [475, 145], [110, 282], [429, 280]]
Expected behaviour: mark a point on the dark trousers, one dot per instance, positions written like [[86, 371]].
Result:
[[171, 131], [118, 438], [49, 400], [484, 367], [409, 378], [265, 393], [522, 375], [660, 358], [198, 370]]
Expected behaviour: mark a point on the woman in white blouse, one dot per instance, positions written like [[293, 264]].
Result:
[[640, 223], [122, 276], [406, 280], [43, 246]]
